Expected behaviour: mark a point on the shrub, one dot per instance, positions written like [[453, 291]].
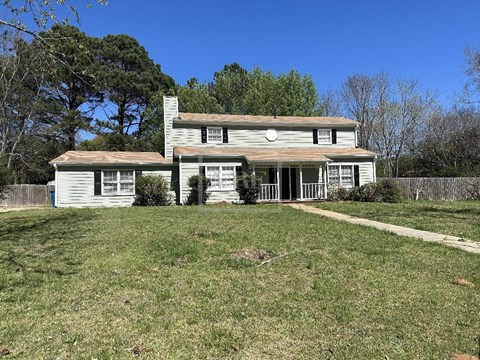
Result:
[[152, 190], [248, 188], [383, 191], [388, 191], [473, 189], [198, 189], [338, 194]]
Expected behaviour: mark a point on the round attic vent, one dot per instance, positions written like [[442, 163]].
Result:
[[271, 135]]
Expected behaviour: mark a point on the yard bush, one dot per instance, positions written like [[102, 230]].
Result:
[[338, 194], [152, 191], [383, 191], [248, 188], [198, 189]]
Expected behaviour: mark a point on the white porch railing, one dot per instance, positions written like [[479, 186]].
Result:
[[269, 192], [313, 191]]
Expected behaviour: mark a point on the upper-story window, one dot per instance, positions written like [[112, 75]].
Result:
[[214, 135], [324, 136]]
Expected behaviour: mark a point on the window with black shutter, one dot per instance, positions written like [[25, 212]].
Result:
[[315, 136], [202, 170], [204, 134]]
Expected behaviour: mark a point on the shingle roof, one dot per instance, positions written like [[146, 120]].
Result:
[[312, 154], [110, 158], [301, 121]]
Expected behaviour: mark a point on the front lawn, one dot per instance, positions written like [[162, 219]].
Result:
[[458, 218], [171, 282]]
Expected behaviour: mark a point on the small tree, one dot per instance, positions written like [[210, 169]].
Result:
[[152, 190], [248, 188], [5, 180], [198, 189]]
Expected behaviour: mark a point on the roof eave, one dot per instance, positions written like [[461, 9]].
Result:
[[266, 124]]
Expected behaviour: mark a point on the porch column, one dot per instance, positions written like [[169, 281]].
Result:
[[278, 184], [301, 183], [325, 180]]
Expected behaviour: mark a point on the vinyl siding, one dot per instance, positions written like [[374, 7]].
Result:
[[192, 167], [75, 187], [183, 135]]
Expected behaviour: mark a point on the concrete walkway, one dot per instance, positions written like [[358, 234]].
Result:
[[453, 241]]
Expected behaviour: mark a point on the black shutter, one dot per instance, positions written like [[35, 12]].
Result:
[[204, 134], [356, 175], [238, 171], [334, 136], [138, 173], [202, 170], [315, 136], [97, 175], [225, 135]]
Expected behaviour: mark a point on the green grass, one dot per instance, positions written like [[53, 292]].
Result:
[[86, 284], [458, 218]]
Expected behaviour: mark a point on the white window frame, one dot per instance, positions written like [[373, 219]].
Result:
[[340, 166], [118, 183], [325, 142], [209, 128], [220, 177]]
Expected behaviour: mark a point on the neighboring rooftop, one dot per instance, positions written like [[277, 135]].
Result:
[[300, 121], [109, 158], [300, 155]]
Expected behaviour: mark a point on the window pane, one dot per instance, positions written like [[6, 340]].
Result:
[[333, 170], [324, 137], [110, 188], [214, 135], [126, 176], [346, 171], [228, 177], [213, 173], [110, 182], [110, 176], [347, 181]]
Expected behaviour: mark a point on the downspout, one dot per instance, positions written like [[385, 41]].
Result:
[[56, 185], [180, 180]]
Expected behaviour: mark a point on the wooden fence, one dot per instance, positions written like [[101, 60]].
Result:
[[27, 196], [457, 188]]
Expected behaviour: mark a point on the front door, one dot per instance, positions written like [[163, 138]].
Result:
[[288, 183]]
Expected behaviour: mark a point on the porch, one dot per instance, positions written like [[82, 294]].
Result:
[[291, 183]]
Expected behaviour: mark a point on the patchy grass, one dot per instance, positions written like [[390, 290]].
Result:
[[166, 283], [457, 218]]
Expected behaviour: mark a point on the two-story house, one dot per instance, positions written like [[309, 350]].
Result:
[[297, 158]]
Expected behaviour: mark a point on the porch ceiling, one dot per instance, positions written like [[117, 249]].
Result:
[[275, 155]]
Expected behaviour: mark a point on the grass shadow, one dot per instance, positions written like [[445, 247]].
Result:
[[36, 247]]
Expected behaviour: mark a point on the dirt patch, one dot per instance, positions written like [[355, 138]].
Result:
[[4, 352], [463, 357], [463, 282], [252, 254], [182, 260]]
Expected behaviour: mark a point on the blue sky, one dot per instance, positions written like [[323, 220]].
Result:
[[328, 39]]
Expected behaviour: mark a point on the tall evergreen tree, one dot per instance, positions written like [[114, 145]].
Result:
[[71, 92], [129, 78]]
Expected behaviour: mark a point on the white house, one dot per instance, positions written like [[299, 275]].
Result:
[[297, 158]]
